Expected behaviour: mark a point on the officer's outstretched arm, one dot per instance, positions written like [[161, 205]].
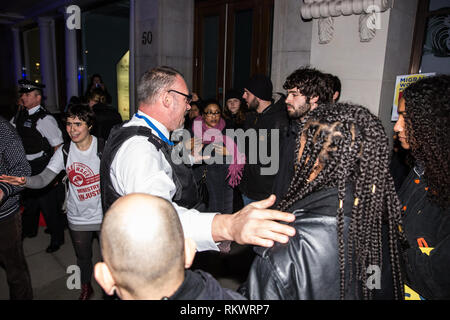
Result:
[[254, 224]]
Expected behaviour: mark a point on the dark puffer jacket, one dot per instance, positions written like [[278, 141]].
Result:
[[427, 229], [307, 267]]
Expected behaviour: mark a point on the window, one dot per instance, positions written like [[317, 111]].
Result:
[[431, 43]]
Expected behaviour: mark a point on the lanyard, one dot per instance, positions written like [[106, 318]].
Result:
[[160, 134]]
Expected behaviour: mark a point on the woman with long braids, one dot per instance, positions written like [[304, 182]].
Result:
[[347, 215], [423, 128]]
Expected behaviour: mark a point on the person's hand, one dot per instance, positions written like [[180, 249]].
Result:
[[221, 150], [197, 150], [16, 181], [254, 224], [1, 196], [194, 144]]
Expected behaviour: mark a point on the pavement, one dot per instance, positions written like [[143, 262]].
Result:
[[51, 274]]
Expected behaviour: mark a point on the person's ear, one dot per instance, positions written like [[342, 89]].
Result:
[[313, 101], [167, 99], [190, 248], [336, 95], [104, 278]]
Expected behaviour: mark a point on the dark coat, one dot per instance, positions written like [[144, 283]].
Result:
[[253, 184], [219, 191], [105, 118], [199, 285], [425, 225], [285, 173], [307, 267]]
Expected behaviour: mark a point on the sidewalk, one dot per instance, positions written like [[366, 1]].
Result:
[[49, 270]]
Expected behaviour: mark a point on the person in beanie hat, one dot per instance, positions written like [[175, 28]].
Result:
[[234, 109], [265, 114], [258, 92]]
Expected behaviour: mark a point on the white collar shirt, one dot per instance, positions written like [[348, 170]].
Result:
[[139, 167]]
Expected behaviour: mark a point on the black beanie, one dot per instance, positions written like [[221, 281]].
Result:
[[260, 86], [233, 93]]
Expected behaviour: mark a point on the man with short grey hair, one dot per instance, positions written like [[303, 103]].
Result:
[[137, 158]]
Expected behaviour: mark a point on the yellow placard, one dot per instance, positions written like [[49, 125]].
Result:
[[123, 86], [401, 84]]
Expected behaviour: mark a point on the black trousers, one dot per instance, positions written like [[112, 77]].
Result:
[[12, 258], [82, 244], [47, 200]]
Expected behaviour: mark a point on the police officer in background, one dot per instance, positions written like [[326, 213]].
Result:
[[41, 136]]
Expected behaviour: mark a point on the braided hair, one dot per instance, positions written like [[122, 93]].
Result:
[[348, 144], [427, 122]]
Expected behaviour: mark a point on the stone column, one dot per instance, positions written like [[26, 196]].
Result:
[[48, 62], [164, 35], [71, 62], [291, 47], [132, 75], [17, 55]]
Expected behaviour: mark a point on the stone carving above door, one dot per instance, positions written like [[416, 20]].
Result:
[[325, 10]]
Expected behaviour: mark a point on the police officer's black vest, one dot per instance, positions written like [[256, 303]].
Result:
[[186, 188], [32, 139]]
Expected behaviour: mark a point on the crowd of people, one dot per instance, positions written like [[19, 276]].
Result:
[[339, 218]]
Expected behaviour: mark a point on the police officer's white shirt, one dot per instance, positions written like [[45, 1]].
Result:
[[139, 167], [48, 128]]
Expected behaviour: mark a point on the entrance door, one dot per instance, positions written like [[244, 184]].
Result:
[[233, 41]]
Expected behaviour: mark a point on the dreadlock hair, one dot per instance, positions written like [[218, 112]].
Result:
[[350, 146], [427, 122]]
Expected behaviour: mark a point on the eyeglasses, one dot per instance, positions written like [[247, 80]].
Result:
[[209, 113], [187, 96]]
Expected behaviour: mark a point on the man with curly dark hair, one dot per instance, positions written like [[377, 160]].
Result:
[[423, 128], [348, 217], [306, 88]]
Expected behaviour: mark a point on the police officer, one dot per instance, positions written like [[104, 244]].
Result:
[[41, 136]]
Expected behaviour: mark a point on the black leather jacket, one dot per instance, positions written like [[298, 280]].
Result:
[[307, 267]]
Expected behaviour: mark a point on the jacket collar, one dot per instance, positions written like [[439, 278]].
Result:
[[419, 169], [34, 110], [325, 202], [190, 289]]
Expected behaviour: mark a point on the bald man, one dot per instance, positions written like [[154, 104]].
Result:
[[145, 254]]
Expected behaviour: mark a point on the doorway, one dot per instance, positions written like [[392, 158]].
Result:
[[233, 41]]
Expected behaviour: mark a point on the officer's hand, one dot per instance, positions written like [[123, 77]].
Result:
[[254, 224]]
